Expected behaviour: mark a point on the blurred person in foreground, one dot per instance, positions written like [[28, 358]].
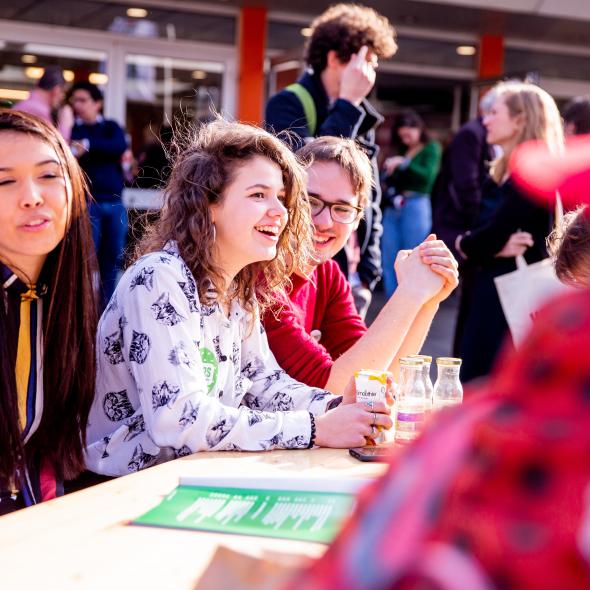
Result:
[[316, 334], [99, 144], [330, 98], [496, 494], [407, 211], [46, 101], [514, 226]]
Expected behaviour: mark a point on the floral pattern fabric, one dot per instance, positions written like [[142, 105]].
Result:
[[176, 376]]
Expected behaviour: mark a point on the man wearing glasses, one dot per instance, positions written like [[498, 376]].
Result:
[[317, 335]]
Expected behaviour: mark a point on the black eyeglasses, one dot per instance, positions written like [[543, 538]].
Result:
[[339, 212]]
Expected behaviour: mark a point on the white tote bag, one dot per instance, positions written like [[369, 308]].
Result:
[[524, 291]]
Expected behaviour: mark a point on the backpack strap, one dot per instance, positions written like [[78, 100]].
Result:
[[307, 103]]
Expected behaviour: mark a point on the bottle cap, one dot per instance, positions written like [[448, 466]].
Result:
[[424, 357], [448, 361], [408, 361]]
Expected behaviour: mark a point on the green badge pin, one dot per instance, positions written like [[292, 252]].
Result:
[[210, 367]]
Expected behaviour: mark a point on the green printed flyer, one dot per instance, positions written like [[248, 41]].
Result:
[[285, 514]]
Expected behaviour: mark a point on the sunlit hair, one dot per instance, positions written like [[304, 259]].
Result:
[[540, 119], [345, 28], [487, 101], [206, 160], [349, 156], [69, 330], [569, 245]]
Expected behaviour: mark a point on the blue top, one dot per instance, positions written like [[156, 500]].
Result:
[[102, 162]]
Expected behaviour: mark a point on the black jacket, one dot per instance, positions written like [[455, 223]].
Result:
[[456, 196], [341, 119], [484, 328], [514, 213]]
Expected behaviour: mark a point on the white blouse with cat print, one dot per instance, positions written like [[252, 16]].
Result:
[[175, 376]]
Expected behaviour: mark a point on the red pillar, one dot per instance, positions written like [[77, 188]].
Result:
[[251, 44], [491, 56]]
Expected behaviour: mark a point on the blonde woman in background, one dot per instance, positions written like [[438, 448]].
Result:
[[509, 224]]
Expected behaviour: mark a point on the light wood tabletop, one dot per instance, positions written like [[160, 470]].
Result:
[[84, 540]]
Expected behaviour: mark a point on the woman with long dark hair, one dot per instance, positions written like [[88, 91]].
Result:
[[183, 360], [409, 177], [47, 312]]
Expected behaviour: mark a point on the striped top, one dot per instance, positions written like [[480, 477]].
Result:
[[25, 309]]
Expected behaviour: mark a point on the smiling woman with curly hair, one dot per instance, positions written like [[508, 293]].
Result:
[[183, 361]]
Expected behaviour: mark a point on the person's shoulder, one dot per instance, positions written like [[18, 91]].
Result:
[[28, 106], [517, 203], [329, 275], [473, 125], [280, 100], [511, 190], [283, 93], [329, 268], [286, 95], [472, 129], [113, 124], [433, 146], [161, 266]]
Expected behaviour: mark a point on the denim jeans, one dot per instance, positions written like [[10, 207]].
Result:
[[109, 231], [403, 229]]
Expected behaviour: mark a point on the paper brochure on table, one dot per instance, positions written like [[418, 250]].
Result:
[[301, 509]]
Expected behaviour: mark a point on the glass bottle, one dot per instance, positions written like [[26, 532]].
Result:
[[412, 404], [427, 361], [448, 390]]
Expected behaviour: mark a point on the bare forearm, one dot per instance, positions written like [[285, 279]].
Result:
[[378, 348], [415, 336]]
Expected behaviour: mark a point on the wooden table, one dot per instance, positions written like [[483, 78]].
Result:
[[83, 540]]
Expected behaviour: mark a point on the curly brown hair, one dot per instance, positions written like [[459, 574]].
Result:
[[205, 163], [345, 28], [569, 245]]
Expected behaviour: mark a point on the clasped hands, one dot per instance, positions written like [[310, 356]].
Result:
[[430, 270]]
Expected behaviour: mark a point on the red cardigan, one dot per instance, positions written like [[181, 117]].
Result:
[[322, 302]]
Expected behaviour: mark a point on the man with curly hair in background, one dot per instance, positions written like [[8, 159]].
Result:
[[342, 53]]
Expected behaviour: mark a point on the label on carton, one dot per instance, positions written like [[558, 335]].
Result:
[[371, 386]]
